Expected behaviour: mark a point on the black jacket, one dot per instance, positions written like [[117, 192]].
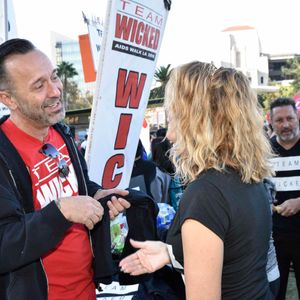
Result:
[[141, 220], [25, 234]]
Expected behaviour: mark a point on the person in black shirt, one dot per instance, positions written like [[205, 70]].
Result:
[[286, 217], [147, 177], [220, 234]]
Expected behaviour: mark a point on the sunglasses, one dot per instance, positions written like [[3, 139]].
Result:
[[50, 151]]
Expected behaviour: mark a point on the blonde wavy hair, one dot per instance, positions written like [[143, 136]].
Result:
[[217, 122]]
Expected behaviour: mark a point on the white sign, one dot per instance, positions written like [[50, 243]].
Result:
[[115, 291], [95, 28], [8, 30], [286, 184], [3, 21], [288, 163], [132, 38]]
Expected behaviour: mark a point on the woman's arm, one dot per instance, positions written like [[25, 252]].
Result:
[[203, 261]]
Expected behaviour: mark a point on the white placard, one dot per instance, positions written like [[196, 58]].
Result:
[[132, 37], [8, 30], [95, 29]]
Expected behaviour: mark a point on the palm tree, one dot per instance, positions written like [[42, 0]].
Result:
[[66, 71], [161, 76]]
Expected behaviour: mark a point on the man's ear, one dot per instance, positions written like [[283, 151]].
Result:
[[8, 100]]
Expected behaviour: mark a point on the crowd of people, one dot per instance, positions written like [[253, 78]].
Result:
[[212, 165]]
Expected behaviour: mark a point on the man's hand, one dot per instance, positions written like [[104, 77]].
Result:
[[151, 256], [288, 208], [81, 209], [116, 205]]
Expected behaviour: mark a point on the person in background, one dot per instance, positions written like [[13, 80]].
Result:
[[286, 216], [160, 149], [48, 203], [152, 135], [147, 177], [220, 234], [269, 130], [157, 135], [161, 132], [83, 145], [272, 264]]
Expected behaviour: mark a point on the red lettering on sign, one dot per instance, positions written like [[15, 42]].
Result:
[[133, 33], [129, 88], [123, 130], [123, 28], [137, 32], [109, 181], [146, 35]]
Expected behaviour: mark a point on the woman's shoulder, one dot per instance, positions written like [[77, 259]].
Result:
[[225, 185], [205, 185], [215, 178]]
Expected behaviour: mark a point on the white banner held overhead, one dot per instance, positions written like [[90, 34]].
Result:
[[132, 37]]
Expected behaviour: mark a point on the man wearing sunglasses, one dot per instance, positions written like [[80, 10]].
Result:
[[47, 202]]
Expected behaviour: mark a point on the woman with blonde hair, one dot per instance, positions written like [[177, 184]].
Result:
[[220, 234]]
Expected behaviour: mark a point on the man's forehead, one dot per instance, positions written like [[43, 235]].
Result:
[[33, 63], [286, 109], [30, 59]]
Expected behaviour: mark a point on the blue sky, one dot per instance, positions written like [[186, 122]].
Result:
[[192, 27]]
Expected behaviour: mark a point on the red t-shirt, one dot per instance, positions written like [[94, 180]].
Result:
[[69, 265]]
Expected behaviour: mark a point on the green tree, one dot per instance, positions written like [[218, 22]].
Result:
[[78, 100], [293, 71], [66, 71], [73, 94], [265, 99], [89, 98], [161, 76]]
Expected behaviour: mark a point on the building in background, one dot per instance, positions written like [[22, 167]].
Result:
[[276, 63], [237, 47], [240, 48], [66, 49]]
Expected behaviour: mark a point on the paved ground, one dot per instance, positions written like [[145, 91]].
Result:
[[292, 293]]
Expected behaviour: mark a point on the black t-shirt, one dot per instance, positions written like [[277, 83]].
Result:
[[287, 182], [240, 215]]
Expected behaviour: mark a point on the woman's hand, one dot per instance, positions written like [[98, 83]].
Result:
[[151, 256]]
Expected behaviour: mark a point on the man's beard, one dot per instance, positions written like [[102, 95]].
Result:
[[40, 116]]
